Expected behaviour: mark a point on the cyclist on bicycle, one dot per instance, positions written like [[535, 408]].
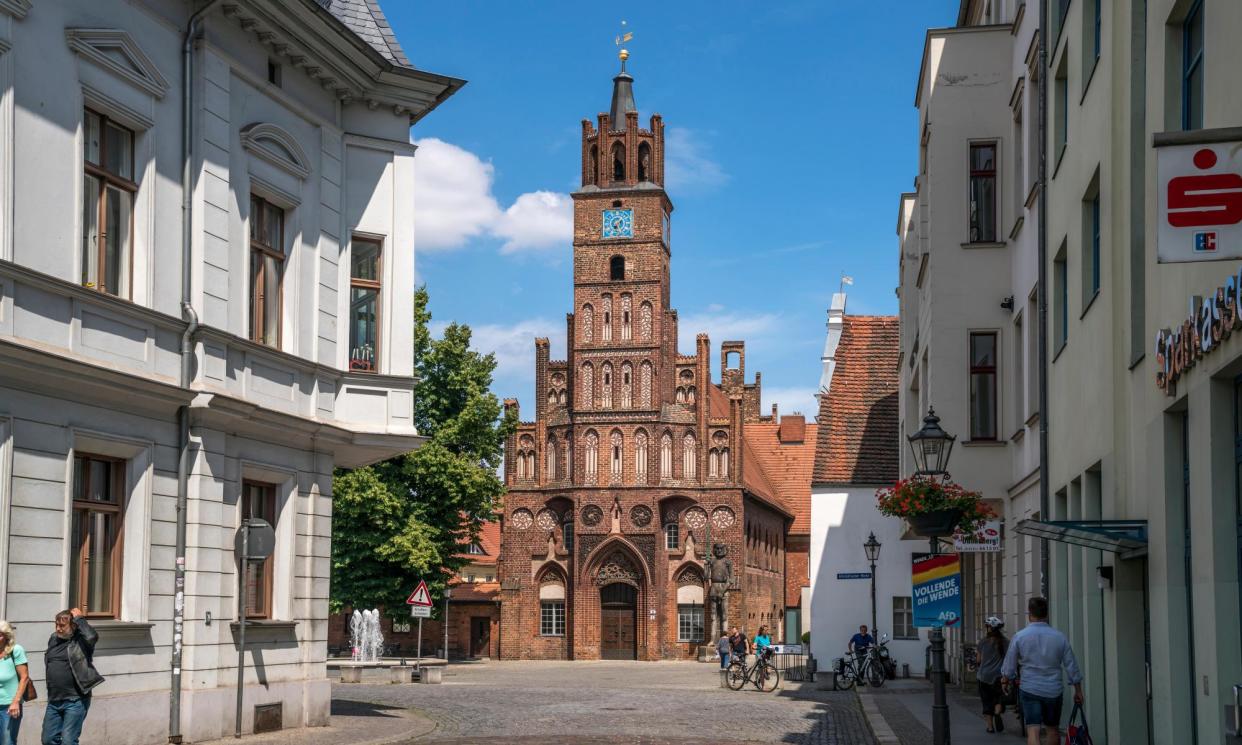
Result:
[[762, 640]]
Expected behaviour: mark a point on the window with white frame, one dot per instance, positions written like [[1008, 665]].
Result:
[[672, 536], [903, 618], [690, 623], [552, 618]]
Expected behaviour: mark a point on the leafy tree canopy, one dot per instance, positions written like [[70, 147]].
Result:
[[409, 517]]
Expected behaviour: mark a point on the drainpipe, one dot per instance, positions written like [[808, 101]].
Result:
[[1044, 501], [193, 31]]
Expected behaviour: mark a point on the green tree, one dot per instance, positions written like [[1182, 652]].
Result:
[[408, 517]]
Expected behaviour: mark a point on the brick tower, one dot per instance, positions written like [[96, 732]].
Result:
[[635, 459]]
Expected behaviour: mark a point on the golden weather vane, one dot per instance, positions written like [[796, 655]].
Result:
[[622, 38]]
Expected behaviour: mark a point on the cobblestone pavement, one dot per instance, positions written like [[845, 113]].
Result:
[[906, 707], [602, 703]]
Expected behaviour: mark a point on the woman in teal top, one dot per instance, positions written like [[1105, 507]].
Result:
[[762, 640], [14, 675]]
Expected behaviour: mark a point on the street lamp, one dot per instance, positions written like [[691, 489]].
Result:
[[931, 447], [872, 547]]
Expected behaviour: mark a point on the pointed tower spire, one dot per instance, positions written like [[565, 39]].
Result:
[[622, 89]]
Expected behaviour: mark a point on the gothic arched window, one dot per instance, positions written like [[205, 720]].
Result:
[[605, 385], [588, 323], [551, 458], [689, 456], [644, 321], [618, 162], [713, 463], [666, 456], [626, 315], [606, 331], [587, 400], [615, 443], [616, 268], [593, 165], [592, 456], [640, 456], [627, 385], [644, 385], [644, 162]]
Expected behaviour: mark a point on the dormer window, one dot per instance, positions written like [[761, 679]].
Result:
[[476, 549], [616, 268]]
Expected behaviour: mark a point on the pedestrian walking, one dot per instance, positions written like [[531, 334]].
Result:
[[1042, 652], [14, 677], [723, 648], [992, 649], [71, 677]]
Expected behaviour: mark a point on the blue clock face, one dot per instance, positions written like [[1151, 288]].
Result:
[[618, 224]]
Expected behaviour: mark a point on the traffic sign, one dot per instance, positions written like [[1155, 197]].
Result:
[[420, 597], [420, 611]]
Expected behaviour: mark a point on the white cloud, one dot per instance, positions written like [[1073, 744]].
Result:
[[723, 327], [514, 345], [715, 308], [791, 401], [536, 220], [453, 199], [453, 202], [687, 163]]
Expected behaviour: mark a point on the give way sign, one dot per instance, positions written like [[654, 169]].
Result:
[[420, 597]]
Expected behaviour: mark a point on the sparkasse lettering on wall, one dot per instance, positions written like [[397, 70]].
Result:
[[1211, 321]]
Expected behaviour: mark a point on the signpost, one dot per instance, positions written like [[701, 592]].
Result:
[[853, 575], [255, 540], [420, 608]]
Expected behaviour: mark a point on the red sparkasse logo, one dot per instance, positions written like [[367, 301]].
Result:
[[1205, 199]]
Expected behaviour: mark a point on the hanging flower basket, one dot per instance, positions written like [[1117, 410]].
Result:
[[933, 508]]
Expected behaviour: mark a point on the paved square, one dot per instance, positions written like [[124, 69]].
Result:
[[587, 703]]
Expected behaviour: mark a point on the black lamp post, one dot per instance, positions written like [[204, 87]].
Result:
[[931, 447], [872, 547]]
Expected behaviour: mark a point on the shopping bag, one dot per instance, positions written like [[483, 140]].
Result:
[[1077, 734]]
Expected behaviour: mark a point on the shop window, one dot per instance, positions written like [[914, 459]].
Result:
[[107, 205]]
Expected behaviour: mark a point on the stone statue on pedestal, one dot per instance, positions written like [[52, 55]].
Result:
[[720, 574]]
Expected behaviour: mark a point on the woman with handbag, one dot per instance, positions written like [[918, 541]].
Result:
[[14, 679]]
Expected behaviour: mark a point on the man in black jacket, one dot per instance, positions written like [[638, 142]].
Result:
[[71, 676]]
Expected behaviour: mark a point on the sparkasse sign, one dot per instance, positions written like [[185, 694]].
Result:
[[1199, 201], [1211, 320]]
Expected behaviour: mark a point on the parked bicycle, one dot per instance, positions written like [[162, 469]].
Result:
[[848, 671], [763, 674]]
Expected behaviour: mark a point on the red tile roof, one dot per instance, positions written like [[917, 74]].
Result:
[[785, 466], [858, 440], [756, 478], [489, 541], [477, 592]]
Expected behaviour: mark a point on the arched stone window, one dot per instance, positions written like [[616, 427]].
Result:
[[644, 385], [587, 399], [606, 331], [592, 456], [690, 395], [615, 444], [551, 458], [616, 268], [640, 456], [525, 464], [605, 385], [618, 162], [644, 162], [644, 321], [666, 456], [626, 315], [593, 165], [567, 459], [719, 455], [689, 456], [588, 324], [713, 463], [627, 385], [724, 463]]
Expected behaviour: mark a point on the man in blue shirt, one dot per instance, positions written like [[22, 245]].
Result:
[[1041, 652]]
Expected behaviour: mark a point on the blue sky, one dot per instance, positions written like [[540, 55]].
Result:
[[791, 132]]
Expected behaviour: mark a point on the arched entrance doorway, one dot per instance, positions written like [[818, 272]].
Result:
[[618, 604]]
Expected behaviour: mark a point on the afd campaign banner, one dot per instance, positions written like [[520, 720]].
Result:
[[937, 580]]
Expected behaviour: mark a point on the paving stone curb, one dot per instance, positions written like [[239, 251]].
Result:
[[880, 728], [348, 728]]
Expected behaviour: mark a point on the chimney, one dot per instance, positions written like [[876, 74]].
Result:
[[836, 324], [792, 429]]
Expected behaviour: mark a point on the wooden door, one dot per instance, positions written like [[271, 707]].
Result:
[[480, 636], [617, 628]]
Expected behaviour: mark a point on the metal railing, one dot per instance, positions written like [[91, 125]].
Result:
[[791, 666]]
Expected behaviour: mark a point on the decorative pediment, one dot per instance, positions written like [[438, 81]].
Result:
[[276, 146], [116, 52], [617, 568]]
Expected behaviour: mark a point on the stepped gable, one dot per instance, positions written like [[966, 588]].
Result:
[[859, 441]]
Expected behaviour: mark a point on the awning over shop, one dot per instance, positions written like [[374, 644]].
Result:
[[1128, 538]]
